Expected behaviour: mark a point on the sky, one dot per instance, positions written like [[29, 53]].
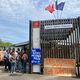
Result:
[[16, 14]]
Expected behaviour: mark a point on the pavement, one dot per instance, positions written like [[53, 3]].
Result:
[[21, 76]]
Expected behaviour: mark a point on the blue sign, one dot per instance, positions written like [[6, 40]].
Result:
[[35, 56]]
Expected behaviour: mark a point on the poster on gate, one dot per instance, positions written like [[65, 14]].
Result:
[[35, 56]]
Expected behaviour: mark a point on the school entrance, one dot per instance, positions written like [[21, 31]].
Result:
[[55, 46]]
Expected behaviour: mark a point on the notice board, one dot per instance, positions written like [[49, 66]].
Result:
[[35, 56]]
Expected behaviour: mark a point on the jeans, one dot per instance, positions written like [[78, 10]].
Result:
[[24, 66], [6, 63], [9, 65], [13, 66], [18, 65]]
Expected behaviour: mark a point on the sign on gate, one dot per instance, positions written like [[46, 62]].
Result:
[[35, 56], [58, 26]]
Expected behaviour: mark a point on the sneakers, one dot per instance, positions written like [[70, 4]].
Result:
[[14, 72], [11, 72]]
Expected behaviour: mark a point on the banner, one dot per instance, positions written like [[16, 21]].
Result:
[[35, 56]]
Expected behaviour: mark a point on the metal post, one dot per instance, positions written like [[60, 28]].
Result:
[[30, 46]]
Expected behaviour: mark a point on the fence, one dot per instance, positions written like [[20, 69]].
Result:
[[59, 39]]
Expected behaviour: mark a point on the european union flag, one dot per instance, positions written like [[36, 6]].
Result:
[[59, 6]]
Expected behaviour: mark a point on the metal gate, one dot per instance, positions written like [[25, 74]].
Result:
[[59, 39]]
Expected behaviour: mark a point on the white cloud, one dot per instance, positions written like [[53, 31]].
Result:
[[18, 13]]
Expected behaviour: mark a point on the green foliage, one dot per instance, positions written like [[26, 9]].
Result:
[[4, 44]]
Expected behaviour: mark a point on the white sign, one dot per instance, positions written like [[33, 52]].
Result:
[[36, 68], [58, 26], [36, 37]]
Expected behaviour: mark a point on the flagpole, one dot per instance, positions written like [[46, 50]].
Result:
[[54, 16], [61, 14], [57, 10], [62, 11], [53, 13]]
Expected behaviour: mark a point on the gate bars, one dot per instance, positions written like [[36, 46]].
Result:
[[61, 42]]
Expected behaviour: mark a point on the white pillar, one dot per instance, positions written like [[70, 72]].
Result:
[[36, 45]]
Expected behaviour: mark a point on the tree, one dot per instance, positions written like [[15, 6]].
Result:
[[4, 44]]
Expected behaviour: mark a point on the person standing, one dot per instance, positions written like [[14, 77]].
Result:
[[18, 63], [9, 64], [21, 54], [24, 58], [6, 59], [13, 62]]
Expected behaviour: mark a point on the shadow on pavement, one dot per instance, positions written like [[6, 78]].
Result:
[[2, 70], [16, 74]]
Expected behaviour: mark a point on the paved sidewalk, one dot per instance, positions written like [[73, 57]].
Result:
[[21, 76]]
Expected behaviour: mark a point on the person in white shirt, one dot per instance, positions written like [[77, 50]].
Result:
[[13, 62], [6, 59]]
